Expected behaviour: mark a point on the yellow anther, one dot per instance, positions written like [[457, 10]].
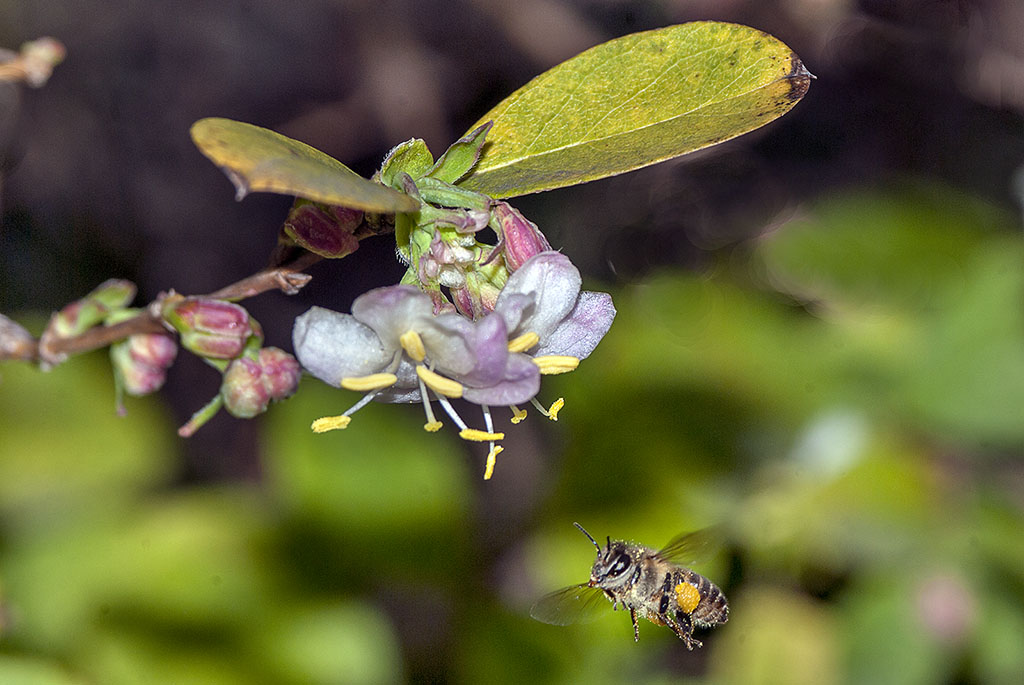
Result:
[[556, 407], [412, 343], [491, 458], [523, 342], [330, 423], [439, 384], [551, 364], [432, 426], [375, 381], [687, 597], [479, 435], [517, 414]]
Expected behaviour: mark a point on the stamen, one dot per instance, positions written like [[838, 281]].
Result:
[[476, 435], [438, 383], [517, 413], [375, 381], [412, 343], [556, 407], [491, 458], [552, 411], [450, 410], [432, 426], [329, 423], [492, 453], [551, 364], [523, 342]]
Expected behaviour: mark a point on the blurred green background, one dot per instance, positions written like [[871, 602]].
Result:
[[819, 350]]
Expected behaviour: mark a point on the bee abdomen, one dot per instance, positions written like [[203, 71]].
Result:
[[713, 608]]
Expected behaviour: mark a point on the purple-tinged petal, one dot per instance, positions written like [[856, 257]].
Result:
[[392, 311], [332, 346], [521, 384], [582, 330], [552, 282], [473, 353]]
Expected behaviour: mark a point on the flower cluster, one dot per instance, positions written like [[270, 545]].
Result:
[[393, 347]]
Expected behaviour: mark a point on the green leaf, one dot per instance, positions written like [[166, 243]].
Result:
[[635, 101], [257, 159], [413, 157], [460, 157]]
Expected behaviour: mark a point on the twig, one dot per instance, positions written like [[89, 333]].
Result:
[[17, 344]]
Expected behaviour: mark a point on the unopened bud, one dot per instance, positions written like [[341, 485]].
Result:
[[521, 237], [83, 314], [325, 230], [209, 328], [141, 362], [281, 372], [477, 299], [251, 384]]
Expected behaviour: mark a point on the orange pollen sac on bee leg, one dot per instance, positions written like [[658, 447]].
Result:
[[687, 597]]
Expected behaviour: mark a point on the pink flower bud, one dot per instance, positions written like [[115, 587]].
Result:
[[242, 389], [324, 230], [251, 384], [141, 362], [521, 238], [281, 372], [209, 328]]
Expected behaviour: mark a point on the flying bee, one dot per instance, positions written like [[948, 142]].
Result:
[[650, 583]]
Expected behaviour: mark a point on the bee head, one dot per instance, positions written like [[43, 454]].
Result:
[[612, 564]]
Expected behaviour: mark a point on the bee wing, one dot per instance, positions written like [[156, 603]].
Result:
[[573, 604], [690, 548]]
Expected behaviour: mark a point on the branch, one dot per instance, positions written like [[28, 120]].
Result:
[[17, 344]]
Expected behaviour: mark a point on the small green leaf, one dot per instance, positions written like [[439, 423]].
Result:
[[413, 157], [635, 101], [460, 157], [257, 159]]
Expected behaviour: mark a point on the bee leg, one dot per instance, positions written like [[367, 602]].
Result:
[[683, 627], [636, 626]]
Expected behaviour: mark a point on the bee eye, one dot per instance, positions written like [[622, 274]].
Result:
[[619, 567]]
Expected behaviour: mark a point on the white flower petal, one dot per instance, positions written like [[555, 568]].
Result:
[[332, 346]]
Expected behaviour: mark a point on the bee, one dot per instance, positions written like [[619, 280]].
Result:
[[649, 583]]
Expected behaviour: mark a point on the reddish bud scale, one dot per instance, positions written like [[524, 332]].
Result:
[[323, 230]]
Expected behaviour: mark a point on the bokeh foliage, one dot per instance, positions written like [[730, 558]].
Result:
[[844, 398]]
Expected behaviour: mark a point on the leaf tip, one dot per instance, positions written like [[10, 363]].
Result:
[[799, 78], [241, 185]]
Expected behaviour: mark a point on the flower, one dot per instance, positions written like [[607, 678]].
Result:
[[395, 349]]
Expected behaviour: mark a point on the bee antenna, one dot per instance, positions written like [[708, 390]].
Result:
[[584, 531]]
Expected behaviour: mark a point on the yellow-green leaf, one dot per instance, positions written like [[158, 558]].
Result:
[[635, 101], [258, 159]]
